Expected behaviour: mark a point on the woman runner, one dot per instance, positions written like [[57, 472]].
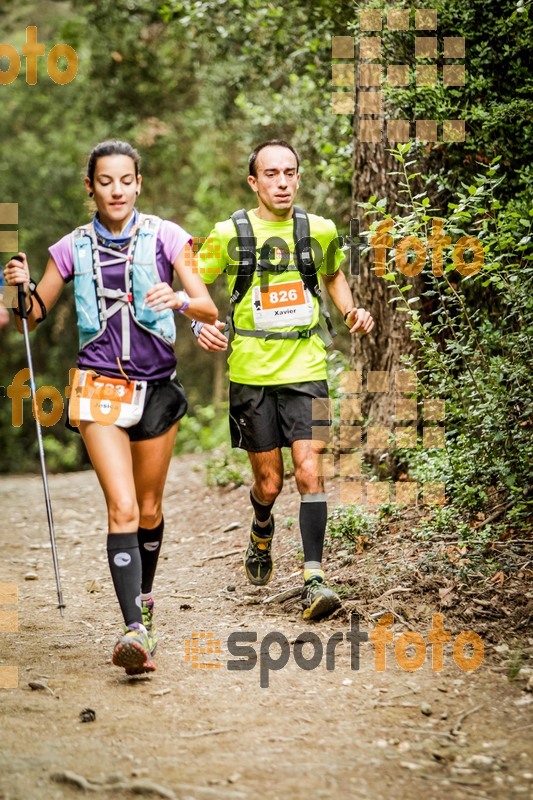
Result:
[[122, 265]]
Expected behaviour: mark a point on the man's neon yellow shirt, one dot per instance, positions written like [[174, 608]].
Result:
[[254, 361]]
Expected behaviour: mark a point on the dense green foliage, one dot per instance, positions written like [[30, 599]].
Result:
[[495, 101], [475, 334]]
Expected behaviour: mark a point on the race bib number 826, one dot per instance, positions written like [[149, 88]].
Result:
[[285, 304]]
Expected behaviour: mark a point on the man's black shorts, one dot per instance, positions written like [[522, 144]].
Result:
[[265, 417], [164, 405]]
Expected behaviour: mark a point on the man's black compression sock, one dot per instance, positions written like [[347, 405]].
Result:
[[262, 522], [313, 518]]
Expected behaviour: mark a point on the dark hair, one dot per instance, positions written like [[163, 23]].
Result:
[[271, 143], [113, 147]]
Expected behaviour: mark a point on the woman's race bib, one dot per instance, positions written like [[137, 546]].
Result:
[[108, 401]]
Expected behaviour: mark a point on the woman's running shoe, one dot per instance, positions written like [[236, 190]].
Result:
[[147, 610], [132, 650]]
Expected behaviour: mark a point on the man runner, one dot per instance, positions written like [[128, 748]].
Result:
[[278, 360]]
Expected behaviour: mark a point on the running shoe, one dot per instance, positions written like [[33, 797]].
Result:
[[318, 600], [132, 650], [258, 563], [147, 610]]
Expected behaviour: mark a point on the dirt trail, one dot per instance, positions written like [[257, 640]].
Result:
[[211, 732]]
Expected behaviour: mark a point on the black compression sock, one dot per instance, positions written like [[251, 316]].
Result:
[[313, 518], [262, 513], [125, 565], [150, 547]]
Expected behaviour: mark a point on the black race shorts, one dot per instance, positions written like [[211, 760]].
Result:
[[164, 405], [266, 417]]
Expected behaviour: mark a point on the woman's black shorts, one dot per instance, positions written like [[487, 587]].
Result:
[[164, 405]]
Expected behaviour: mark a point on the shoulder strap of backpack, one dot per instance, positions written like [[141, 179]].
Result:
[[149, 223], [303, 251], [245, 252]]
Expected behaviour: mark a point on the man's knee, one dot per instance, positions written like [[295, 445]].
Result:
[[307, 475], [309, 484], [267, 488]]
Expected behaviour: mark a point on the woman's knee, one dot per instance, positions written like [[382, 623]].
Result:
[[123, 512], [150, 513]]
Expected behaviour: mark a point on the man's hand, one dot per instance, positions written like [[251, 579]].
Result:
[[359, 321], [211, 337], [356, 319]]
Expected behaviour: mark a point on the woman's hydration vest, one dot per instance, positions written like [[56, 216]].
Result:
[[140, 274]]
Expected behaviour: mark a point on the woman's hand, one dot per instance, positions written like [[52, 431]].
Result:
[[17, 271], [162, 296], [49, 287]]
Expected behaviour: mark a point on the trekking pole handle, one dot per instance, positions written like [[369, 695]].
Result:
[[21, 294]]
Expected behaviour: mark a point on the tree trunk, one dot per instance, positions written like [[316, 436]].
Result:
[[219, 373], [390, 339], [382, 350]]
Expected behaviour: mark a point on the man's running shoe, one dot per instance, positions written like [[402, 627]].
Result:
[[318, 600], [147, 610], [132, 651], [258, 563]]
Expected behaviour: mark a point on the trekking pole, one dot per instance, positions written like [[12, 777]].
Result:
[[24, 317]]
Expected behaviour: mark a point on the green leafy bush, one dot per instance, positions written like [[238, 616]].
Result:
[[354, 524], [205, 428], [228, 467], [474, 334]]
